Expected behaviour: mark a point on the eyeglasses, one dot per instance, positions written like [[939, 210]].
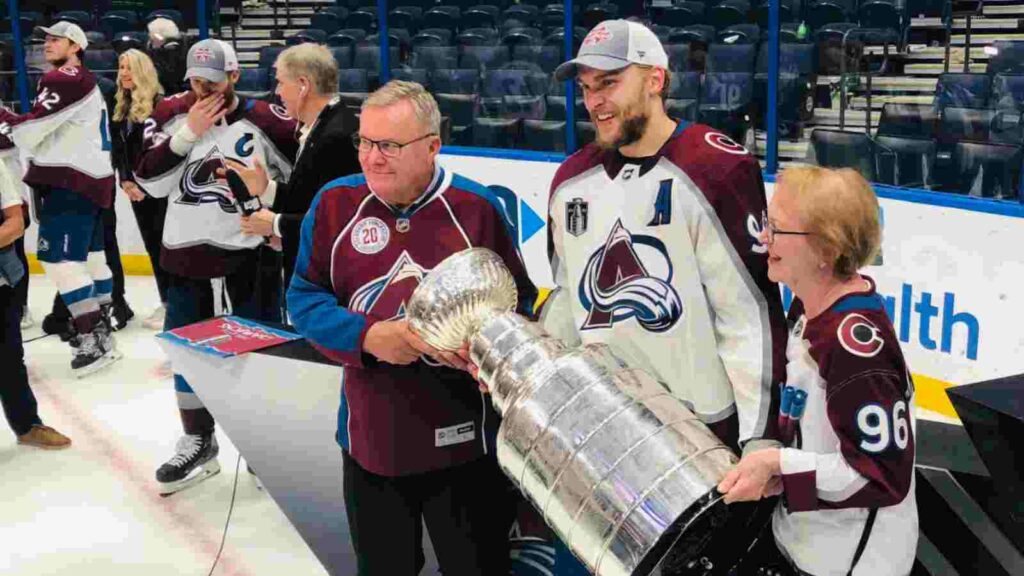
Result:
[[387, 148], [772, 231]]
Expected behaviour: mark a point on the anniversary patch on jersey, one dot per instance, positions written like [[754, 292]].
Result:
[[630, 277], [859, 336], [385, 297], [370, 235], [199, 183], [724, 143]]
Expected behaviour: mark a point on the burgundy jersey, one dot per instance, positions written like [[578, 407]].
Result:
[[846, 415], [65, 136], [359, 261]]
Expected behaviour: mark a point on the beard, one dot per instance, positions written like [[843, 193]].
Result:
[[634, 124]]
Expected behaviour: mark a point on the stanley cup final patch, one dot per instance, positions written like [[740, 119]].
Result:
[[458, 434], [576, 216], [370, 235]]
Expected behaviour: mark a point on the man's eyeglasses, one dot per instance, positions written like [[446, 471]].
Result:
[[772, 231], [387, 148]]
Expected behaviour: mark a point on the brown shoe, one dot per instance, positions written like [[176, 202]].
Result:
[[44, 437]]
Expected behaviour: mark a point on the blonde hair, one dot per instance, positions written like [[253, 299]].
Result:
[[423, 103], [314, 61], [143, 94], [840, 210]]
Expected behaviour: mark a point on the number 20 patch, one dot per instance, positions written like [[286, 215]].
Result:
[[370, 235]]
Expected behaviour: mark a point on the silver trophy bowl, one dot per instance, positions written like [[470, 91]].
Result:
[[620, 469]]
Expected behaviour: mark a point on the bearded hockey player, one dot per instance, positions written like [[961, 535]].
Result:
[[187, 141], [653, 241], [65, 139]]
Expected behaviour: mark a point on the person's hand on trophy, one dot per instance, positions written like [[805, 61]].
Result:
[[393, 342], [758, 475], [473, 369]]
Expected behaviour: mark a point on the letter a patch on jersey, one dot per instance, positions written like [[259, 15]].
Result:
[[576, 216], [630, 277]]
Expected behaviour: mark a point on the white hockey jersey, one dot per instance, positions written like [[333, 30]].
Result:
[[659, 258], [65, 136], [202, 232]]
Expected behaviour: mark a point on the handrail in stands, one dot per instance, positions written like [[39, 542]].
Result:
[[969, 9], [867, 69]]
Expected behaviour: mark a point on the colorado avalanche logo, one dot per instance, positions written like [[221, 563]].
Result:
[[199, 183], [385, 297], [630, 278], [859, 336]]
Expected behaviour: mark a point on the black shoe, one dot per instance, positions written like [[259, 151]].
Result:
[[53, 324]]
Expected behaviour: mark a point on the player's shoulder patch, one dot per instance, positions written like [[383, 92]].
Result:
[[859, 335], [69, 71], [720, 141], [579, 162]]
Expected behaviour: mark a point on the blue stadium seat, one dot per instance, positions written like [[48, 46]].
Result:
[[498, 83], [496, 132], [965, 124], [253, 82], [521, 12], [483, 57], [547, 58], [353, 80], [101, 60], [1008, 92], [682, 14], [585, 133], [521, 36], [480, 17], [363, 19], [909, 120], [729, 13], [1008, 58], [988, 170], [347, 37], [844, 149], [455, 81], [408, 17], [418, 75], [116, 21], [477, 37], [268, 56], [342, 55], [887, 15], [825, 12], [926, 8], [427, 39], [461, 109], [685, 86], [905, 161], [962, 90], [545, 135], [731, 58], [797, 82], [702, 34], [594, 14], [309, 35], [328, 21], [446, 17], [80, 17], [678, 57], [434, 57], [552, 15], [368, 58], [441, 33], [397, 38]]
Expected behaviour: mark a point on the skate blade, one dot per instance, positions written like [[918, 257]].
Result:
[[103, 362], [206, 471]]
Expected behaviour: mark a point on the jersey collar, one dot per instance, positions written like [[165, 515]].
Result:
[[614, 161]]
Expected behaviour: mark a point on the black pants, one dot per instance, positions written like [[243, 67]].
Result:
[[19, 403], [467, 510], [113, 254], [149, 215], [21, 290]]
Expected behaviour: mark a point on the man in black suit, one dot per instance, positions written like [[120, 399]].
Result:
[[307, 83]]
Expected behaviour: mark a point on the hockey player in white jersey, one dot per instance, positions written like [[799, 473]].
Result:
[[65, 139], [653, 241], [187, 141]]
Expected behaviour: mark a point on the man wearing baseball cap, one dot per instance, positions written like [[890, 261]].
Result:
[[190, 137], [669, 211], [65, 138]]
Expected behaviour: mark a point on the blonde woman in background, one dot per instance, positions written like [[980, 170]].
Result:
[[138, 92], [847, 465]]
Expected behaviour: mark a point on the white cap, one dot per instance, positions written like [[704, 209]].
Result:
[[65, 29], [615, 44]]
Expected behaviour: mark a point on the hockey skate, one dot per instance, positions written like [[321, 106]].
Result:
[[195, 461], [92, 352]]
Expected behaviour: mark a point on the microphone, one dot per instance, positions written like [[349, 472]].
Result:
[[246, 202]]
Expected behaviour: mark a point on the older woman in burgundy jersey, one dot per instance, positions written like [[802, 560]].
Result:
[[847, 468]]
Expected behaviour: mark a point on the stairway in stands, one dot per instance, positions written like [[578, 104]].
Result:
[[915, 83]]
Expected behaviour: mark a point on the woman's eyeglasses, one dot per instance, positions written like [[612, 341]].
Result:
[[772, 231]]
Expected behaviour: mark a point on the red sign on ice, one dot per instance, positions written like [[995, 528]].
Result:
[[228, 336]]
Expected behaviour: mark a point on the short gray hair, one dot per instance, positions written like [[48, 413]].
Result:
[[423, 104], [314, 61]]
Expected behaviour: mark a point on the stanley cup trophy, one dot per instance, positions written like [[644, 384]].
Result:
[[620, 469]]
